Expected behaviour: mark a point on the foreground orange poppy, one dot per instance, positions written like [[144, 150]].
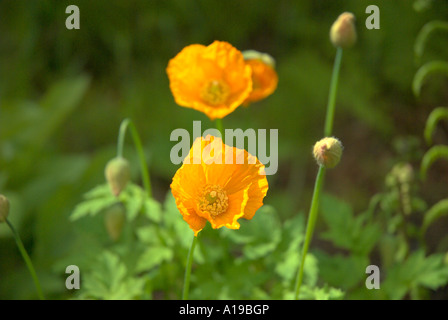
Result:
[[219, 184], [264, 76], [213, 79]]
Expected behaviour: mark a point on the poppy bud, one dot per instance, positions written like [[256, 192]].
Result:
[[328, 152], [4, 208], [118, 174], [114, 219], [343, 31]]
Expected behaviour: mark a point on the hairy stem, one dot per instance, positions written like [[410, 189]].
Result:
[[333, 92], [312, 216], [310, 226]]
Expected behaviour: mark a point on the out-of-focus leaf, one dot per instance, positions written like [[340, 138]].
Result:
[[172, 220], [422, 5], [132, 197], [287, 255], [324, 293], [438, 210], [152, 257], [260, 235], [109, 280], [345, 230], [440, 113], [100, 191], [56, 105], [65, 94], [425, 71], [91, 207], [425, 32], [22, 116], [417, 270], [341, 271], [430, 157], [148, 234], [97, 199], [152, 209]]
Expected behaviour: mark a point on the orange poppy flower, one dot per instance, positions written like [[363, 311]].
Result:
[[214, 79], [219, 184], [264, 76]]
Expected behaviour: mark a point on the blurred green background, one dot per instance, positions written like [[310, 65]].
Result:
[[63, 94]]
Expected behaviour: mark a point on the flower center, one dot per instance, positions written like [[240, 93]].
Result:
[[215, 92], [214, 200]]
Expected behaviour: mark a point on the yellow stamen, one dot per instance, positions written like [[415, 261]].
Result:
[[214, 200], [215, 92]]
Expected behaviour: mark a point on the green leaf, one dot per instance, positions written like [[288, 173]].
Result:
[[341, 271], [101, 191], [132, 197], [152, 209], [267, 230], [435, 272], [260, 235], [426, 70], [417, 270], [345, 230], [109, 280], [287, 255], [430, 157], [57, 104], [173, 221], [440, 113], [421, 6], [438, 210], [287, 268], [97, 199], [220, 284], [338, 216], [35, 123], [148, 234], [311, 270], [365, 235], [152, 257], [324, 293], [423, 35]]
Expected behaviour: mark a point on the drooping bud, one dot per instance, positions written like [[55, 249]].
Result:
[[118, 174], [114, 219], [4, 208], [328, 152], [343, 31]]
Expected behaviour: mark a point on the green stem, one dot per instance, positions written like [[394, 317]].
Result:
[[127, 123], [220, 127], [310, 227], [328, 129], [332, 96], [27, 260], [188, 269]]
